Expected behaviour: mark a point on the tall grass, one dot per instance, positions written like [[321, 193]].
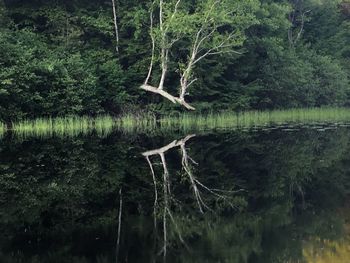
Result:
[[137, 123], [104, 125], [74, 126]]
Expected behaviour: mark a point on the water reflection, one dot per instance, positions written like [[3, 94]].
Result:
[[263, 196], [169, 200]]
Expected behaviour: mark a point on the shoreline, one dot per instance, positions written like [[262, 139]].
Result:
[[103, 125]]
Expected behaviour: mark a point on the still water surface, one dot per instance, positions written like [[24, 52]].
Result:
[[265, 195]]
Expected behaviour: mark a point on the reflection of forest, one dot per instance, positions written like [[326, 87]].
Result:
[[60, 197]]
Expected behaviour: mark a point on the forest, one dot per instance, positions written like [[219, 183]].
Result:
[[79, 57], [174, 131]]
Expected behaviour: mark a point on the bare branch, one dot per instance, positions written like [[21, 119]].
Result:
[[165, 46], [301, 26], [173, 15], [205, 32], [293, 16]]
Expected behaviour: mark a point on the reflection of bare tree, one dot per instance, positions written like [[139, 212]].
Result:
[[196, 185], [166, 187], [187, 165]]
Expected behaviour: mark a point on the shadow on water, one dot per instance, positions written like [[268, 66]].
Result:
[[273, 195]]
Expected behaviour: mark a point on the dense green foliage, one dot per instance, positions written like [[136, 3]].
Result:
[[59, 58]]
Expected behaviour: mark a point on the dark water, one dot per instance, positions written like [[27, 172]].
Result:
[[276, 195]]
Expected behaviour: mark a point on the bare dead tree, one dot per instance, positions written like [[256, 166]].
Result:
[[150, 69], [206, 37], [116, 28], [297, 19], [165, 46]]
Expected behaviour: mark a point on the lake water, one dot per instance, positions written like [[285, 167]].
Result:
[[263, 195]]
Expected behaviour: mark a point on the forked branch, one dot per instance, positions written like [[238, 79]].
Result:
[[165, 46]]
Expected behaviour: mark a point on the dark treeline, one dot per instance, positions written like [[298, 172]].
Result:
[[59, 57]]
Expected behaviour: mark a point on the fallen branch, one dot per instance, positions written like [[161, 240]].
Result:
[[167, 95]]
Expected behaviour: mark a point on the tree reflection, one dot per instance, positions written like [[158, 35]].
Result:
[[184, 202], [187, 166]]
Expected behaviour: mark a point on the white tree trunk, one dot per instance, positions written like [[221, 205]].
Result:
[[165, 46], [153, 49], [115, 25]]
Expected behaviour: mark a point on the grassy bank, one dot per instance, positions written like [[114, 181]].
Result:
[[74, 125], [67, 126], [257, 118], [103, 125]]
